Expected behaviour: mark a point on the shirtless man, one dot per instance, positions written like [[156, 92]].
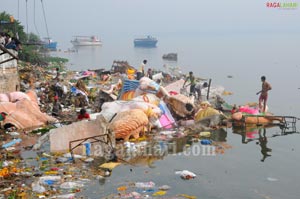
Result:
[[263, 94]]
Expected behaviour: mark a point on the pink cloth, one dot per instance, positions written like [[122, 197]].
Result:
[[251, 134], [89, 73], [249, 110], [23, 110], [173, 93], [13, 97], [165, 121]]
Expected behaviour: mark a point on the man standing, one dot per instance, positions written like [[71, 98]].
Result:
[[191, 77], [141, 71], [263, 94], [198, 88], [56, 108]]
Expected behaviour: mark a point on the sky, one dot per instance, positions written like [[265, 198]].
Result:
[[66, 18]]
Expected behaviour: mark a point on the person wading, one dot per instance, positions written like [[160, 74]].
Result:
[[262, 101]]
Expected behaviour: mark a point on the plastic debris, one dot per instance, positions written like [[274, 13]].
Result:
[[14, 133], [67, 196], [205, 134], [11, 143], [70, 185], [62, 160], [49, 180], [205, 142], [164, 187], [36, 187], [109, 165], [89, 160], [159, 193], [185, 174], [188, 196], [144, 184], [122, 188], [272, 179], [68, 155]]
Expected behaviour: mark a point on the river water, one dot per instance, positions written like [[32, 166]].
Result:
[[244, 169]]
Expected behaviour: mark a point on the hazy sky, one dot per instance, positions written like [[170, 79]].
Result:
[[66, 18]]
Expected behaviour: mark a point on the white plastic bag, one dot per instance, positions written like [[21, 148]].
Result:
[[185, 174]]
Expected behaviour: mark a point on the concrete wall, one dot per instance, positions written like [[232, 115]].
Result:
[[9, 77]]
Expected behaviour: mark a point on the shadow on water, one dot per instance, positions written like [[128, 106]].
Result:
[[260, 135]]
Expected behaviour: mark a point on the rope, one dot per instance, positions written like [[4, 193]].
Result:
[[18, 9], [34, 19], [26, 17], [45, 19]]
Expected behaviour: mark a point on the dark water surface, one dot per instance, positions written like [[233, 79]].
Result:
[[245, 170]]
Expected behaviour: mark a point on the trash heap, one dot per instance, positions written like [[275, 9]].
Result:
[[128, 118]]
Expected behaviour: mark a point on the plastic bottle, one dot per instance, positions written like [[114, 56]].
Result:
[[87, 148], [11, 143]]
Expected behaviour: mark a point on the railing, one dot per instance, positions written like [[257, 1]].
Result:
[[4, 51]]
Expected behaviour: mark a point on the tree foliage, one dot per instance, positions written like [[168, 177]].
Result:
[[13, 28]]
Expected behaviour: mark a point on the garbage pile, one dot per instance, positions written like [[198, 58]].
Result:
[[123, 120]]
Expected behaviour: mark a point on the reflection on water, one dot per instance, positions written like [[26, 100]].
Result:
[[259, 134], [263, 140], [147, 152]]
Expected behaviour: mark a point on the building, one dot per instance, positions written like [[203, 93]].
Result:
[[9, 78]]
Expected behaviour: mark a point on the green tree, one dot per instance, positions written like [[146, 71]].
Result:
[[13, 28]]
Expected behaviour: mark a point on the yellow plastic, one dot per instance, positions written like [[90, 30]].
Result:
[[109, 165]]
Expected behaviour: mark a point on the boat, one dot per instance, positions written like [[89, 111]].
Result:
[[170, 56], [86, 41], [49, 44], [148, 41]]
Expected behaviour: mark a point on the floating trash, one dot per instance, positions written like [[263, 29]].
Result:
[[185, 174], [272, 179]]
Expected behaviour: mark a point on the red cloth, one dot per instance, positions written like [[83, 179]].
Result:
[[85, 116], [173, 93]]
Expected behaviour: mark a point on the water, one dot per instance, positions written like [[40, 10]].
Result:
[[240, 171], [244, 56]]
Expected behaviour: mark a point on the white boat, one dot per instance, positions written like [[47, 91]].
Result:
[[86, 41]]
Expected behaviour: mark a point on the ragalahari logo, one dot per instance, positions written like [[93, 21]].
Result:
[[282, 5]]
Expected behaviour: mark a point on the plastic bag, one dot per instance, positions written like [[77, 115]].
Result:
[[185, 174], [145, 184], [36, 187]]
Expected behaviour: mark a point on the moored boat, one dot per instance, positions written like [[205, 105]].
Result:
[[148, 41], [86, 41], [170, 56], [49, 44]]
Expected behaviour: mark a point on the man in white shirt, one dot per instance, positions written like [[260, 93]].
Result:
[[141, 71], [199, 86]]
